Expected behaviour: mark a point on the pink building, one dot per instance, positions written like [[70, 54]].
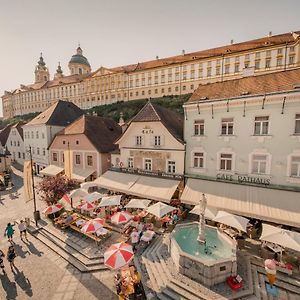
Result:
[[90, 140]]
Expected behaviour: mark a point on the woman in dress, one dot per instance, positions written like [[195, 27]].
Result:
[[9, 231]]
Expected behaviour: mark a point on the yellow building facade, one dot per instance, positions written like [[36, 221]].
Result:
[[160, 77]]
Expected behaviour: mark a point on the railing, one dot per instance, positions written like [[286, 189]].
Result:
[[148, 173]]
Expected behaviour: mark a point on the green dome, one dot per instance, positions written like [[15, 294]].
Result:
[[78, 58]]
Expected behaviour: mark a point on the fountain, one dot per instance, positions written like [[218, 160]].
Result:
[[202, 252]]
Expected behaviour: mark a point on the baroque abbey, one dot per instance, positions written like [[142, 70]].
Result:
[[175, 75]]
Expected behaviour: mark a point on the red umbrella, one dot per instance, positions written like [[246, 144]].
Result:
[[121, 217], [118, 255], [92, 225], [52, 209], [87, 206]]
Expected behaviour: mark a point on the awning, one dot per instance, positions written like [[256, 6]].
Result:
[[82, 174], [263, 203], [154, 188], [116, 181], [51, 170]]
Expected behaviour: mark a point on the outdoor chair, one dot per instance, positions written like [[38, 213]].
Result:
[[235, 282]]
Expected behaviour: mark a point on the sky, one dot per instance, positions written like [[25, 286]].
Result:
[[119, 32]]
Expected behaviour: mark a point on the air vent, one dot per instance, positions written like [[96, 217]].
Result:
[[297, 86], [245, 93], [203, 98]]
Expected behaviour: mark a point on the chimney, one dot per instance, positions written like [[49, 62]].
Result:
[[270, 34], [183, 52], [157, 58], [231, 42]]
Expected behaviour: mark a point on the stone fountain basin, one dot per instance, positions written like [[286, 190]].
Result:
[[203, 268]]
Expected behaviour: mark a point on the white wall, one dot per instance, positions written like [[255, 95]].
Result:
[[15, 145]]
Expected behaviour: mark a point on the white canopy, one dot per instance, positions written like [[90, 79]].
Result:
[[282, 237], [110, 201], [138, 203], [81, 174], [78, 193], [160, 209], [87, 185], [52, 170], [231, 220], [210, 212], [93, 197]]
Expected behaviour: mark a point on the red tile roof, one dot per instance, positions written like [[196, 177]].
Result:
[[253, 85]]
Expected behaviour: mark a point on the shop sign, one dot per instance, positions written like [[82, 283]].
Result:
[[147, 130], [243, 179]]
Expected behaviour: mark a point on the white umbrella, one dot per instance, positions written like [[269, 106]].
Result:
[[160, 209], [87, 185], [93, 197], [210, 213], [79, 193], [282, 237], [231, 220], [138, 203], [110, 201]]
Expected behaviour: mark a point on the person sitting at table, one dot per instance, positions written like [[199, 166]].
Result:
[[165, 220], [140, 228], [174, 218]]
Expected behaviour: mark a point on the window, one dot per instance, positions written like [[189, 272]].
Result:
[[268, 53], [157, 140], [77, 159], [38, 151], [171, 166], [199, 127], [279, 62], [138, 140], [279, 51], [77, 142], [259, 164], [198, 160], [89, 160], [257, 65], [268, 63], [54, 156], [19, 154], [261, 125], [291, 60], [37, 134], [226, 162], [18, 144], [44, 151], [227, 69], [227, 126], [130, 162], [208, 72], [297, 124], [148, 164], [217, 70], [295, 166], [64, 142], [292, 49]]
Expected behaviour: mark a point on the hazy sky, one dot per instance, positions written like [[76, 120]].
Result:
[[118, 32]]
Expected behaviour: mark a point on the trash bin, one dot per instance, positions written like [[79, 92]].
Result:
[[36, 215]]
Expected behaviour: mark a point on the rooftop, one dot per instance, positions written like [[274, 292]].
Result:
[[253, 85]]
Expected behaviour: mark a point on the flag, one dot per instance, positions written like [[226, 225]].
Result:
[[68, 161], [66, 198], [28, 193]]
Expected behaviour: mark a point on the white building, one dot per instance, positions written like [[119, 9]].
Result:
[[15, 143], [39, 132], [243, 146], [150, 160]]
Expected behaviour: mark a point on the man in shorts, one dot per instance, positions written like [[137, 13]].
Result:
[[1, 261], [22, 229]]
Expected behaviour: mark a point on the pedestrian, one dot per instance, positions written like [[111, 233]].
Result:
[[9, 232], [22, 229], [11, 255], [2, 255], [135, 237]]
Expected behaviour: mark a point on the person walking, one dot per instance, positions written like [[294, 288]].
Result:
[[2, 255], [135, 237], [9, 232], [11, 255], [22, 229]]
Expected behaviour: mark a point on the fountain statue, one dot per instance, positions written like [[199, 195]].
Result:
[[202, 207]]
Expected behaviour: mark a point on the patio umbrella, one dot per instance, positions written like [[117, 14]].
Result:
[[92, 225], [87, 206], [118, 255], [52, 209], [282, 237], [160, 209], [87, 185], [93, 197], [209, 213], [138, 203], [110, 201], [79, 193], [231, 220], [121, 217]]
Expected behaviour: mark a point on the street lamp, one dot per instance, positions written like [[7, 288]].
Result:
[[36, 213]]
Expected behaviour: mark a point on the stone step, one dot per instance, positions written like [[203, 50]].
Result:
[[72, 251], [66, 256], [68, 242]]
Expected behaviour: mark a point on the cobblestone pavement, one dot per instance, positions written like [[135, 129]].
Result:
[[42, 274]]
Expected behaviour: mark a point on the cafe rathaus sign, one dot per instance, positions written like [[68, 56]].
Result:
[[243, 179]]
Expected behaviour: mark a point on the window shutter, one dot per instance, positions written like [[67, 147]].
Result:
[[162, 140]]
